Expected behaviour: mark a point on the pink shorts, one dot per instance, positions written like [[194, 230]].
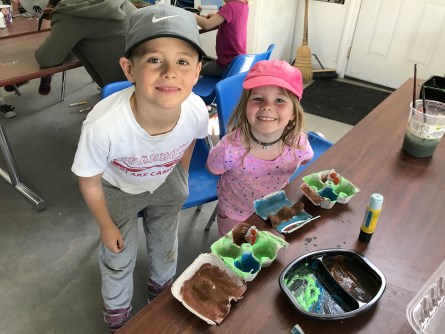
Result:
[[225, 224]]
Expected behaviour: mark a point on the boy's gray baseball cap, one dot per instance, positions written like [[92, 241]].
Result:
[[161, 21]]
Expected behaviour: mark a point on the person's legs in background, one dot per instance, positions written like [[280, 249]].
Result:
[[212, 69], [14, 88], [6, 110], [45, 85]]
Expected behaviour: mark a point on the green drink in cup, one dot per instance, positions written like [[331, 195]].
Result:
[[425, 129]]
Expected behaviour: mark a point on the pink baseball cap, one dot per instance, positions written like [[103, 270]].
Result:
[[275, 73]]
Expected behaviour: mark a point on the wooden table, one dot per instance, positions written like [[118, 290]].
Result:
[[23, 25], [18, 64], [407, 246]]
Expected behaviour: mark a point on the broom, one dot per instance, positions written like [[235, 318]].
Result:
[[304, 55]]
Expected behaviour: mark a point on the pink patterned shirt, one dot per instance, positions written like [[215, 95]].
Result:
[[240, 186]]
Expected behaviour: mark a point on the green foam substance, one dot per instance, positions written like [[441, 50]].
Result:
[[310, 295]]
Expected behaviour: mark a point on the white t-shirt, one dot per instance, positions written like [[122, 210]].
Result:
[[114, 143]]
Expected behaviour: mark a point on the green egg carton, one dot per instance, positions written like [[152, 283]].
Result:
[[247, 259], [327, 187], [238, 259]]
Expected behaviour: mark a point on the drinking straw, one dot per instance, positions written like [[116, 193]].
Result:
[[414, 86], [423, 103]]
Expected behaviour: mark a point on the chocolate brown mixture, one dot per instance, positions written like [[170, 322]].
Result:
[[361, 290], [286, 213], [314, 197], [210, 290], [239, 232]]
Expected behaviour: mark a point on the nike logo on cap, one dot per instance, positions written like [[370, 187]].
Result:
[[155, 19]]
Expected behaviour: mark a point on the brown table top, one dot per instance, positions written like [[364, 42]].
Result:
[[22, 25], [18, 63], [407, 245]]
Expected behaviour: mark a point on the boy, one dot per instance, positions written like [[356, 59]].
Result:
[[135, 149]]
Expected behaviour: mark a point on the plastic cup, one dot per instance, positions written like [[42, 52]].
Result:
[[7, 12], [425, 129]]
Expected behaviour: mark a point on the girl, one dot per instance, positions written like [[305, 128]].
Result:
[[264, 144], [231, 38]]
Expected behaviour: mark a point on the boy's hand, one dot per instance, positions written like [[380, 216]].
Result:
[[111, 237], [92, 192]]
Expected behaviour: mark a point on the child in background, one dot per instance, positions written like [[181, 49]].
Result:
[[264, 144], [135, 149], [231, 38], [93, 30]]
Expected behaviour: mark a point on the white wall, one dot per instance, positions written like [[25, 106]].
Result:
[[281, 22], [272, 22], [208, 43]]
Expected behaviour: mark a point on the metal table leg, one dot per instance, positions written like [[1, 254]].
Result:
[[62, 95], [12, 175], [212, 218]]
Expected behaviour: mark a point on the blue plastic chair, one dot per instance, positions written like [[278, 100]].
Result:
[[205, 87], [202, 183], [319, 145], [228, 93], [114, 87]]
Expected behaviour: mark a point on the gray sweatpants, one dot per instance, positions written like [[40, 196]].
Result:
[[212, 69], [161, 219]]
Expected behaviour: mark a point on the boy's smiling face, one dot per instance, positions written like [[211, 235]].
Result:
[[164, 71]]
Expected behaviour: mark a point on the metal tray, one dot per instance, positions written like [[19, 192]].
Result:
[[332, 284]]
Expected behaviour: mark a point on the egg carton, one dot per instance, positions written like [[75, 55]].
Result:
[[328, 187]]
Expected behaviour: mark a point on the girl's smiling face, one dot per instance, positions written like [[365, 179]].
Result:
[[269, 110]]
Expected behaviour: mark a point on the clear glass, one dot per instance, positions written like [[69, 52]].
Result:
[[7, 12], [425, 129]]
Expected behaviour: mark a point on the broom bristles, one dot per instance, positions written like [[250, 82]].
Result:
[[303, 62]]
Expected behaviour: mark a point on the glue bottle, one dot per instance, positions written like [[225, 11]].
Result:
[[371, 216]]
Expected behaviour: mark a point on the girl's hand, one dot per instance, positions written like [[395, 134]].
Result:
[[111, 237]]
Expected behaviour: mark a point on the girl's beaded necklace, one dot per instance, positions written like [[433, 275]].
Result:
[[266, 146]]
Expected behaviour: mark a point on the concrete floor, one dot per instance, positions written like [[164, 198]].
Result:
[[49, 275]]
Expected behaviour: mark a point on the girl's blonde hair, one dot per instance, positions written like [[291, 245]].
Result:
[[291, 134]]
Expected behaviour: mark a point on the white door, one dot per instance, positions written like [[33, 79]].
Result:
[[393, 35]]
